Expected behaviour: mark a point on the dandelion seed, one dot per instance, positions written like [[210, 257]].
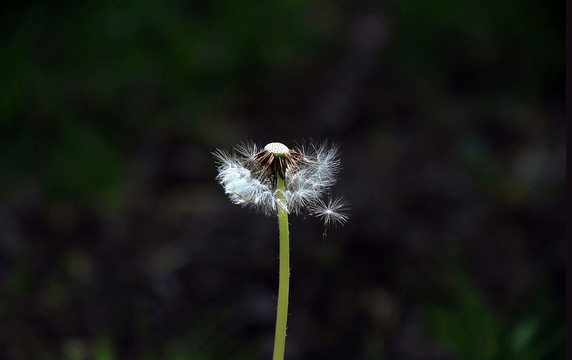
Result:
[[333, 212]]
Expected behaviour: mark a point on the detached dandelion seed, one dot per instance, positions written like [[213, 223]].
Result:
[[276, 180], [332, 213]]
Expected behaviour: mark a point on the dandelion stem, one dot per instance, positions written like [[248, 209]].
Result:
[[284, 276]]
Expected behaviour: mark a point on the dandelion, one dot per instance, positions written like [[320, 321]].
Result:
[[250, 178], [276, 180]]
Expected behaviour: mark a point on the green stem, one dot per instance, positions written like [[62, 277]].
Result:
[[284, 276]]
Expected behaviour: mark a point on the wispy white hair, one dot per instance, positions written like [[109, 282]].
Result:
[[308, 176]]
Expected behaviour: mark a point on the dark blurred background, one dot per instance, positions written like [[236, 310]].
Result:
[[116, 242]]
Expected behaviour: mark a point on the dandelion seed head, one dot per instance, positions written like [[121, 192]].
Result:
[[249, 178]]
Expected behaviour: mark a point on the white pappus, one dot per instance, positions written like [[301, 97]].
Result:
[[249, 178]]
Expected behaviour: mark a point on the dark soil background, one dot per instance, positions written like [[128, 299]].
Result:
[[116, 242]]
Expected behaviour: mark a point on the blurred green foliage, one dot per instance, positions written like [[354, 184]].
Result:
[[205, 340], [469, 328], [516, 47]]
